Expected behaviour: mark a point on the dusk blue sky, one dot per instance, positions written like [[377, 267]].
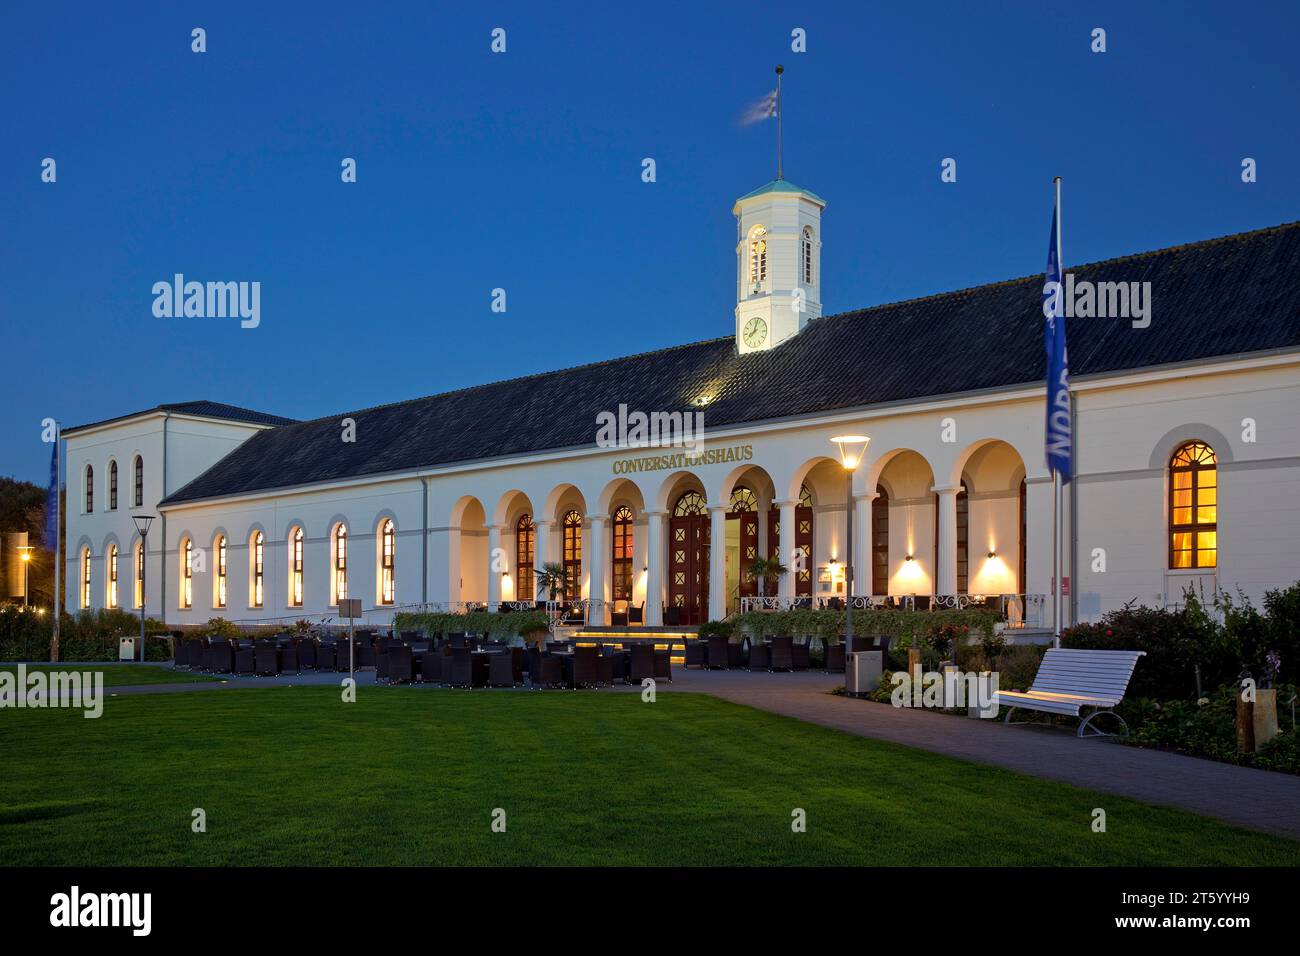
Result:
[[522, 171]]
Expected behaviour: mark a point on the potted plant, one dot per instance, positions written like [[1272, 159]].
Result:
[[554, 578], [766, 571]]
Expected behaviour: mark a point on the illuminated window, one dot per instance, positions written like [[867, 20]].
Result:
[[880, 542], [257, 556], [621, 529], [963, 539], [1193, 507], [90, 489], [743, 500], [295, 568], [110, 560], [807, 251], [387, 545], [139, 574], [85, 577], [757, 256], [573, 555], [525, 557], [219, 593], [340, 564], [139, 482], [187, 574], [691, 503], [112, 486]]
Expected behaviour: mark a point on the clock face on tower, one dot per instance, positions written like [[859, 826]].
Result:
[[755, 332]]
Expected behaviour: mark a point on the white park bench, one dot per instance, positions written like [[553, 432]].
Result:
[[1070, 681]]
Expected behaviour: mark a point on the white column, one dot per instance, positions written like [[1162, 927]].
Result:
[[655, 557], [785, 588], [717, 562], [862, 537], [541, 548], [1038, 539], [946, 560], [594, 559], [494, 567]]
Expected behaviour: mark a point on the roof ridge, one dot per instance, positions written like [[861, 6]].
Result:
[[1199, 243]]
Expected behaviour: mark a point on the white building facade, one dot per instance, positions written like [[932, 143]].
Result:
[[1187, 475]]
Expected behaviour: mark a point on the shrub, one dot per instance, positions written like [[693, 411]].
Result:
[[508, 624], [829, 625], [87, 636], [219, 627], [722, 628]]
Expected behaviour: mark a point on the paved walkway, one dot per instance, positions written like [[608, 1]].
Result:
[[1257, 799]]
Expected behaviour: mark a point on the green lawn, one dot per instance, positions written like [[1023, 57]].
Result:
[[411, 776], [121, 675]]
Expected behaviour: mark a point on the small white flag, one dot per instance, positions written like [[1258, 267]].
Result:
[[760, 110]]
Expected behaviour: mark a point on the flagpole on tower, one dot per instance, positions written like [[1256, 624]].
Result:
[[779, 70]]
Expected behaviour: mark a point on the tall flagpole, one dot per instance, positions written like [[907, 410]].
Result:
[[779, 70], [1057, 585]]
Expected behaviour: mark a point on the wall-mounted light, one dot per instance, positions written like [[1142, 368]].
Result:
[[909, 557], [992, 554]]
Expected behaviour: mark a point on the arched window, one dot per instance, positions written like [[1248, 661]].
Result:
[[187, 573], [387, 567], [573, 554], [757, 256], [880, 542], [139, 482], [257, 569], [219, 583], [110, 567], [806, 254], [689, 504], [90, 489], [138, 564], [1193, 507], [112, 487], [295, 567], [525, 558], [621, 530], [1024, 527], [85, 577], [743, 500], [340, 565]]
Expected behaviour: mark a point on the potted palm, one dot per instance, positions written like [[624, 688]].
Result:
[[766, 571], [554, 578]]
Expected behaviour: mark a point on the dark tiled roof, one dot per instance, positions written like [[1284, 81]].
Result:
[[202, 409], [1219, 297]]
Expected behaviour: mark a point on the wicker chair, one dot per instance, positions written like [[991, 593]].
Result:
[[266, 657], [586, 667], [289, 659], [381, 660], [431, 666], [324, 656], [546, 671], [244, 658], [458, 668], [834, 658], [801, 655], [758, 657], [695, 655], [222, 657], [345, 653], [307, 649], [782, 656], [641, 663], [663, 665], [501, 671], [401, 664], [615, 666], [719, 658]]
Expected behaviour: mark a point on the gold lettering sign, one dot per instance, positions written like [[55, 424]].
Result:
[[712, 456]]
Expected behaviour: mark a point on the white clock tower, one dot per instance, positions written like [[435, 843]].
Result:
[[778, 263]]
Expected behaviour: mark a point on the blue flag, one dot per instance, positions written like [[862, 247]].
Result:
[[52, 501], [1059, 440]]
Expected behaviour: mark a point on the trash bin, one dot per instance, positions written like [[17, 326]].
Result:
[[862, 675], [126, 649]]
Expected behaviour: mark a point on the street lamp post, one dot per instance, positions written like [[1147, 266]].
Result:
[[142, 523], [27, 568], [852, 449]]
